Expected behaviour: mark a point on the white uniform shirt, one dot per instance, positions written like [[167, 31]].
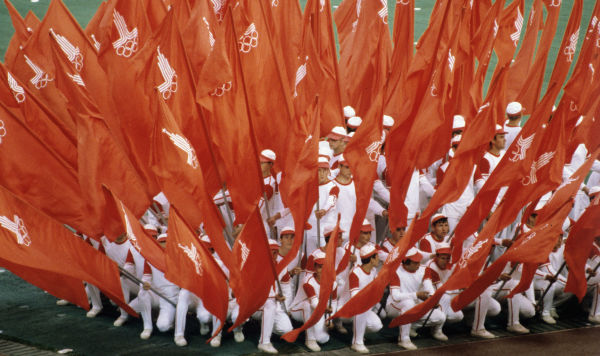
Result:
[[346, 205], [511, 133], [405, 284]]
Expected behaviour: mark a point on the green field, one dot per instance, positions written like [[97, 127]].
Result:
[[83, 10]]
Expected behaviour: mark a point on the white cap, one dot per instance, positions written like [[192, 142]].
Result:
[[458, 123], [337, 133], [443, 247], [287, 230], [319, 256], [162, 237], [274, 245], [342, 160], [514, 108], [456, 139], [150, 227], [579, 121], [414, 255], [367, 250], [347, 138], [594, 190], [388, 121], [267, 156], [323, 162], [349, 111], [328, 229], [354, 122], [500, 130], [437, 217]]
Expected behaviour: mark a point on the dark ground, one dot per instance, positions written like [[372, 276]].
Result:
[[28, 316]]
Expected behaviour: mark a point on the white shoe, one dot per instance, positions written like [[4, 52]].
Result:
[[554, 313], [360, 348], [413, 333], [407, 344], [145, 335], [180, 341], [341, 329], [312, 345], [93, 312], [238, 335], [204, 329], [62, 302], [595, 319], [216, 341], [548, 319], [482, 334], [120, 321], [518, 328], [268, 348], [439, 335]]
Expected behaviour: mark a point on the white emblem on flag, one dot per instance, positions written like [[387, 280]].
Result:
[[483, 107], [383, 12], [245, 253], [220, 91], [518, 27], [469, 253], [183, 144], [77, 79], [2, 130], [543, 160], [529, 237], [218, 8], [322, 2], [249, 39], [591, 67], [531, 16], [169, 86], [496, 27], [96, 43], [72, 52], [194, 256], [374, 149], [18, 90], [129, 230], [593, 23], [393, 255], [18, 228], [274, 3], [405, 2], [569, 51], [211, 37], [127, 44], [522, 147], [308, 138], [41, 78], [355, 23], [555, 3], [565, 183], [300, 74], [433, 90], [451, 60]]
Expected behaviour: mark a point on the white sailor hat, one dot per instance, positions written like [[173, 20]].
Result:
[[458, 123], [388, 121], [437, 217], [349, 111], [514, 108], [273, 245], [287, 230], [323, 162], [337, 133], [414, 255], [499, 130], [347, 138], [443, 248], [319, 257], [366, 226], [367, 251], [354, 122], [456, 140], [267, 156]]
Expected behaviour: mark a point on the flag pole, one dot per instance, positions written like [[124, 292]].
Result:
[[504, 282], [591, 274], [255, 147], [540, 302], [136, 280]]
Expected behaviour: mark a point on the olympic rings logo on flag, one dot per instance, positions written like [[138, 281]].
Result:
[[2, 130], [220, 91], [249, 39]]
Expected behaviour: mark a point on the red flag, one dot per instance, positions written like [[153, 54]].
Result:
[[191, 266], [31, 239], [286, 28], [365, 56], [318, 15], [220, 94], [578, 246], [510, 25], [519, 69], [532, 248], [147, 246], [404, 36], [20, 36], [530, 92], [176, 166], [326, 283], [35, 174], [156, 12], [250, 279], [199, 36]]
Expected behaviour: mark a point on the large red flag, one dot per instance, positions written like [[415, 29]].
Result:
[[250, 279], [510, 25], [35, 174], [532, 248], [191, 266], [20, 36], [32, 239], [318, 15], [519, 69], [326, 287], [578, 246], [221, 97], [176, 166], [365, 56]]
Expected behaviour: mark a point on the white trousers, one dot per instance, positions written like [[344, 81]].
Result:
[[94, 294], [518, 305], [317, 332], [367, 322], [394, 309], [186, 300], [144, 303], [273, 320]]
